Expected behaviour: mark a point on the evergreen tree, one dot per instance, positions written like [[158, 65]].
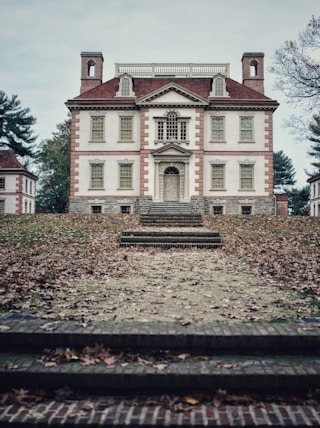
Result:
[[298, 201], [283, 171], [15, 126], [315, 138], [54, 163]]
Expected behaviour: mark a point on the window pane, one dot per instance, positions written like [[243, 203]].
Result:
[[246, 128], [125, 176], [97, 128], [160, 131], [125, 89], [126, 128], [246, 177], [97, 176], [172, 127], [1, 207], [217, 181], [218, 128], [2, 183], [183, 131], [219, 88]]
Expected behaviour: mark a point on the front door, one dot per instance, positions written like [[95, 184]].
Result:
[[171, 185]]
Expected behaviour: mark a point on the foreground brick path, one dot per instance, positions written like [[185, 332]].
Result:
[[241, 347]]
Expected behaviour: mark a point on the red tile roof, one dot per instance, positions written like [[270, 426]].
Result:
[[8, 160], [144, 86]]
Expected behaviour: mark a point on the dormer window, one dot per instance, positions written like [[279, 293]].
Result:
[[125, 87], [219, 87], [172, 128]]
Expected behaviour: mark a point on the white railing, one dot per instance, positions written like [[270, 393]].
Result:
[[172, 70]]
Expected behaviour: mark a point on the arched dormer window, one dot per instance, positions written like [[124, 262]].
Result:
[[125, 87], [219, 87], [91, 70]]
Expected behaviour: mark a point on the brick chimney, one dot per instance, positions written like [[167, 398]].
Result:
[[253, 71], [91, 70]]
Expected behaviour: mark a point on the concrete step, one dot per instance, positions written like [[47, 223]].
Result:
[[187, 220], [166, 239]]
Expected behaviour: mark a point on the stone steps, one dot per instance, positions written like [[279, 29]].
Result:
[[172, 239], [157, 360], [171, 214]]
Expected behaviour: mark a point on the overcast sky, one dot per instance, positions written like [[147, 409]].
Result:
[[41, 41]]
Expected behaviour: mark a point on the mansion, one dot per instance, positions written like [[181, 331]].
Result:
[[160, 133]]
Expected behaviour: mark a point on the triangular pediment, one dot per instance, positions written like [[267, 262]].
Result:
[[171, 150], [172, 94]]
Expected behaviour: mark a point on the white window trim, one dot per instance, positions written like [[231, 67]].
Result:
[[95, 162], [218, 162], [126, 115], [212, 140], [252, 140], [93, 115], [179, 119], [224, 87], [247, 163], [131, 91], [125, 162]]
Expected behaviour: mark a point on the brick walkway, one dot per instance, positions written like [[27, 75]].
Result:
[[258, 357]]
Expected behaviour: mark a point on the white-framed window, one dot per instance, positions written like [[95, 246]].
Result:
[[218, 87], [246, 177], [2, 202], [97, 128], [96, 175], [246, 129], [126, 128], [217, 128], [2, 183], [125, 87], [217, 176], [125, 175], [172, 127], [31, 188]]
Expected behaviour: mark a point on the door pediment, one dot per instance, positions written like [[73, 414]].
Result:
[[171, 151]]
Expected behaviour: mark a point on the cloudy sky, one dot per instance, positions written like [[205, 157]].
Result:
[[41, 41]]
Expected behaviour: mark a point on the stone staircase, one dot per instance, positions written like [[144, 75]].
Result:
[[139, 369], [171, 214], [170, 239]]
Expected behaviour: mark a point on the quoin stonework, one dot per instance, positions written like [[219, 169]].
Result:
[[159, 133]]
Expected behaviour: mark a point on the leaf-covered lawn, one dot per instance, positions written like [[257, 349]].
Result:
[[43, 255]]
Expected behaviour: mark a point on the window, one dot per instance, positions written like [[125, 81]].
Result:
[[26, 186], [96, 209], [217, 176], [125, 209], [30, 187], [125, 87], [246, 128], [97, 128], [125, 176], [219, 87], [1, 206], [218, 210], [126, 125], [318, 188], [172, 128], [2, 183], [217, 132], [246, 177], [246, 209], [96, 175]]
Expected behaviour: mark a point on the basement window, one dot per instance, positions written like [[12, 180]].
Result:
[[246, 209], [218, 210], [96, 209], [125, 209]]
